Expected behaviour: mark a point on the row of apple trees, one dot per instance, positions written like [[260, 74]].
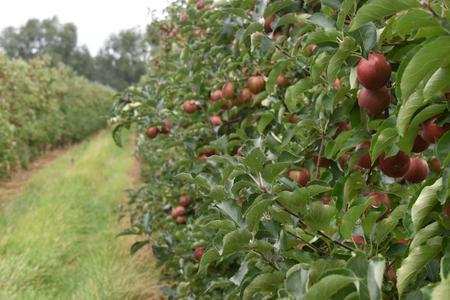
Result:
[[289, 147], [43, 107]]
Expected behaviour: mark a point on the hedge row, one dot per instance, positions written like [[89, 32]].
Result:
[[43, 107]]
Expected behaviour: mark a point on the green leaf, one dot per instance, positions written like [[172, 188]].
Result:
[[270, 172], [254, 27], [295, 91], [235, 11], [336, 61], [352, 215], [378, 9], [287, 19], [375, 277], [262, 246], [319, 216], [193, 178], [424, 63], [437, 83], [414, 19], [257, 209], [207, 258], [319, 64], [324, 36], [217, 192], [425, 203], [297, 281], [441, 290], [231, 208], [417, 259], [441, 150], [137, 245], [277, 6], [255, 159], [221, 143], [262, 282], [384, 137], [321, 265], [264, 121], [273, 76], [129, 231], [407, 110], [236, 241], [322, 21], [295, 199], [328, 286], [388, 224], [117, 135], [228, 160], [424, 234], [366, 37], [343, 12], [213, 108]]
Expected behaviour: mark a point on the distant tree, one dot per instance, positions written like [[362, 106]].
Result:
[[122, 60]]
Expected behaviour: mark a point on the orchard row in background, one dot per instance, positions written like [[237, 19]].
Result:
[[43, 107]]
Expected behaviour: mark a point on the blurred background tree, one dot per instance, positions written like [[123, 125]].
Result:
[[119, 63]]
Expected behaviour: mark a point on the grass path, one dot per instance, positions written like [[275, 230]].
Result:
[[57, 239]]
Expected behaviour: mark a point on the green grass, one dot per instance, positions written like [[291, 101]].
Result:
[[58, 238]]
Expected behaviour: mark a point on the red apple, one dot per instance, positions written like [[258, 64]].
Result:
[[395, 166], [228, 90], [375, 72], [185, 200], [431, 131], [227, 105], [311, 49], [292, 120], [324, 162], [344, 160], [299, 247], [277, 35], [180, 210], [168, 124], [420, 144], [325, 200], [189, 106], [380, 198], [245, 95], [365, 161], [435, 166], [239, 152], [282, 81], [256, 84], [200, 5], [199, 253], [403, 241], [390, 275], [374, 101], [152, 132], [302, 177], [181, 220], [447, 211], [418, 171], [202, 158], [359, 240], [215, 120], [174, 213], [216, 96], [336, 83], [342, 126], [184, 17], [267, 23]]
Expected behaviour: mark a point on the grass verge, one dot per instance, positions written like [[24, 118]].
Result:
[[58, 238]]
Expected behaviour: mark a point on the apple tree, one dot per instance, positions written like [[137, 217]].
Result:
[[288, 146]]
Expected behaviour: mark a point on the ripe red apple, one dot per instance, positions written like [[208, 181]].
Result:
[[302, 177], [380, 198], [336, 83], [256, 84], [359, 240], [447, 95], [180, 210], [299, 247], [311, 49], [342, 126], [269, 20], [365, 161], [418, 171], [184, 17], [375, 72], [199, 253], [216, 96], [292, 120], [403, 241], [420, 144], [174, 213], [395, 166], [181, 220], [435, 166], [228, 90], [152, 132], [325, 200], [189, 106], [447, 211], [344, 160], [324, 162], [390, 275], [245, 95], [277, 35], [215, 120], [185, 200], [168, 124], [431, 131], [239, 152], [202, 158], [200, 5], [282, 81], [374, 101]]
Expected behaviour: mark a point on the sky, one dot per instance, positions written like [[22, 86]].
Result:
[[95, 20]]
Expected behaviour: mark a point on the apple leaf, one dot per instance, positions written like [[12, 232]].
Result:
[[326, 287], [270, 172], [294, 91], [326, 36], [336, 61], [424, 234], [352, 215], [277, 6], [343, 12], [417, 259], [257, 209], [319, 64], [287, 19], [414, 19], [425, 203], [231, 208], [261, 282], [441, 150], [273, 76], [366, 37], [407, 111], [254, 27], [193, 178], [437, 83], [319, 216], [297, 281], [377, 9], [322, 20]]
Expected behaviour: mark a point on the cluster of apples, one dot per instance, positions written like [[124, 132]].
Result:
[[179, 212], [152, 132]]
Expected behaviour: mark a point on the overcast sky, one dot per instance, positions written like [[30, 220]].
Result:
[[95, 19]]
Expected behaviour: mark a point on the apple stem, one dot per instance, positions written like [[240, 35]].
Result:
[[274, 266], [308, 244]]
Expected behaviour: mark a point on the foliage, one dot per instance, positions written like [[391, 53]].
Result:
[[42, 107], [265, 236]]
